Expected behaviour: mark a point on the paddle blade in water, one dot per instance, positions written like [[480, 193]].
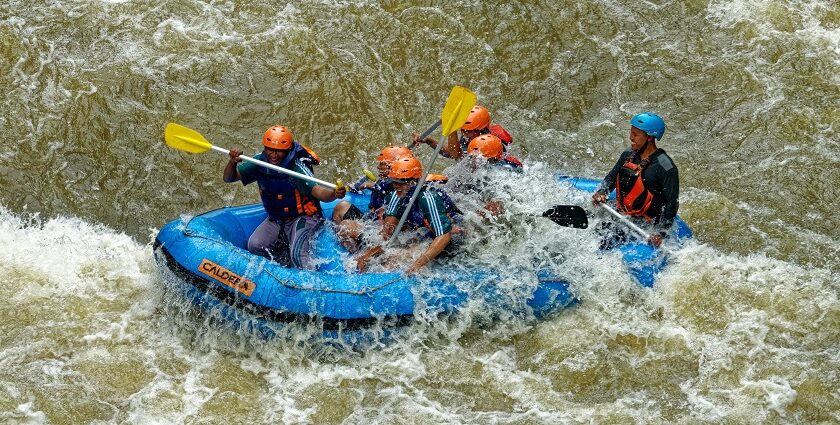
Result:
[[185, 139], [457, 109], [568, 216]]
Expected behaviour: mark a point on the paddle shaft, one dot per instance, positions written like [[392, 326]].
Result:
[[621, 217], [278, 169], [426, 133], [416, 190], [626, 221]]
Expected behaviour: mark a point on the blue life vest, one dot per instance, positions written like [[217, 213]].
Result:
[[378, 193], [280, 197]]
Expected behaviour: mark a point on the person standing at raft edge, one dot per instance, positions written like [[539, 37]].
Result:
[[291, 203], [646, 181], [477, 124]]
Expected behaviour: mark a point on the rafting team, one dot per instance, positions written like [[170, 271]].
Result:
[[645, 179]]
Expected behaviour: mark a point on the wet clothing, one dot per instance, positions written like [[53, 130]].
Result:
[[379, 192], [377, 199], [464, 143], [293, 213], [612, 235], [660, 179], [353, 213], [509, 162], [284, 197], [433, 209], [286, 242]]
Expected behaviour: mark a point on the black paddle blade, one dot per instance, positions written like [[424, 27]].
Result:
[[568, 216]]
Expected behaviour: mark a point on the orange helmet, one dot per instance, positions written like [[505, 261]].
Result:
[[278, 137], [479, 118], [407, 167], [487, 145], [393, 153]]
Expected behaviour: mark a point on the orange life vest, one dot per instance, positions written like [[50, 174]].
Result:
[[638, 199]]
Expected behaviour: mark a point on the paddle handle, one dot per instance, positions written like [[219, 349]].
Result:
[[426, 133], [359, 183], [278, 169]]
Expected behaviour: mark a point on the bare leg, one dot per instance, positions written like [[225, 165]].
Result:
[[339, 211], [350, 234]]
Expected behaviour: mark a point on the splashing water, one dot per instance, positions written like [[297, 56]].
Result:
[[741, 327]]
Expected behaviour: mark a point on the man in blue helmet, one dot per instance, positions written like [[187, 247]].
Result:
[[646, 181]]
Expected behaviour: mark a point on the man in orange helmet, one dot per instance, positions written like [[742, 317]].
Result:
[[478, 123], [348, 218], [431, 211], [492, 149], [291, 203], [488, 150]]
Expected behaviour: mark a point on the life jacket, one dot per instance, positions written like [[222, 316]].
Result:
[[280, 197], [632, 197], [500, 132]]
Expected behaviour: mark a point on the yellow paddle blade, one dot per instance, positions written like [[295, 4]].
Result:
[[457, 109], [370, 176], [185, 139]]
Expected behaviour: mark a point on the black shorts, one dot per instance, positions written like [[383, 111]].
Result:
[[353, 213]]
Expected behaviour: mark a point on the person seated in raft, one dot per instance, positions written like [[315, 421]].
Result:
[[492, 149], [646, 182], [488, 150], [291, 203], [349, 219], [430, 210], [478, 123]]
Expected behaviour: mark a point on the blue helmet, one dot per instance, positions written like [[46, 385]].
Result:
[[650, 123]]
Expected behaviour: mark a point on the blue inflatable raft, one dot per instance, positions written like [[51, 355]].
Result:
[[206, 257]]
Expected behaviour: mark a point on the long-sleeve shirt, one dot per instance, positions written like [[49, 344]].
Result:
[[660, 177]]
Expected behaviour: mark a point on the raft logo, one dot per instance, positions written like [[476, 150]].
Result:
[[227, 277]]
